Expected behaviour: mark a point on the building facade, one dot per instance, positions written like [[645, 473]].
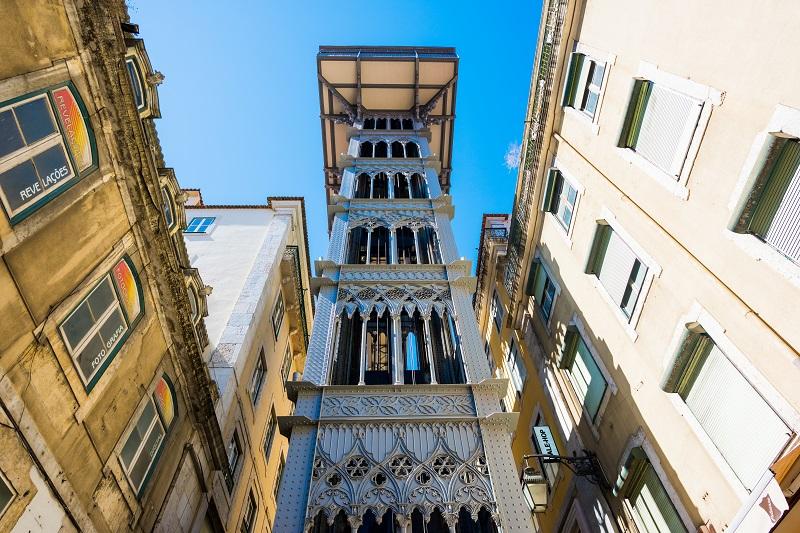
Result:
[[107, 419], [259, 318], [397, 424], [651, 276]]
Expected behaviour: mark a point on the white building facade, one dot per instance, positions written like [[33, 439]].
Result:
[[397, 424], [258, 319]]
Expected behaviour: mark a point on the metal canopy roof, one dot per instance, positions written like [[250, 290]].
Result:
[[358, 80]]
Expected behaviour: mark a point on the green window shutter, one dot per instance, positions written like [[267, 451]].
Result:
[[635, 114], [531, 283], [538, 284], [653, 510], [602, 234], [549, 194], [571, 338], [630, 473], [694, 348], [775, 217], [573, 78]]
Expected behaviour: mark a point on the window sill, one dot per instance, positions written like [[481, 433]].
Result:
[[623, 319], [583, 117], [671, 183], [764, 253]]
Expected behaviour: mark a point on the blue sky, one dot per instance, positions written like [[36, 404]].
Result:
[[240, 106]]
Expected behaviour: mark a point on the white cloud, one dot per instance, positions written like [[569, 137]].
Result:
[[512, 156]]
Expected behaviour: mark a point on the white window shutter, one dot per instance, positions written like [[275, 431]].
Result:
[[784, 231], [741, 424], [615, 270], [668, 126]]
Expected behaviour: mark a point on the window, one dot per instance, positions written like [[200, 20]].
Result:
[[234, 458], [720, 398], [277, 314], [257, 381], [143, 444], [6, 494], [272, 426], [45, 143], [618, 268], [279, 476], [771, 213], [660, 125], [199, 225], [516, 367], [497, 311], [95, 330], [193, 305], [640, 486], [286, 367], [136, 82], [166, 207], [543, 289], [584, 373], [249, 517], [584, 83], [559, 198]]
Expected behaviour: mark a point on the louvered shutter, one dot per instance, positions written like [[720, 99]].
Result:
[[549, 193], [668, 125], [777, 216], [744, 428], [616, 266], [573, 78], [652, 509]]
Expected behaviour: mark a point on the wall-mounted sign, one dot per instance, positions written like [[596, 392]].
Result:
[[544, 440]]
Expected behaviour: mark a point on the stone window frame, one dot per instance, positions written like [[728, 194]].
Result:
[[258, 378], [640, 440], [709, 96], [784, 123], [251, 500], [698, 317], [654, 270], [538, 259], [278, 313], [82, 296], [611, 385], [568, 176], [13, 493], [598, 56], [59, 137], [147, 399]]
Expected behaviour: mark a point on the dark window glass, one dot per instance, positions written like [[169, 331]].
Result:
[[5, 495], [20, 185], [52, 165], [136, 84], [35, 120], [10, 139]]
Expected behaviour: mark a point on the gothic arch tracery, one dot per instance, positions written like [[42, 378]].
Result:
[[396, 298]]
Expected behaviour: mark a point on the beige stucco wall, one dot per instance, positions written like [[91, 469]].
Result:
[[702, 266]]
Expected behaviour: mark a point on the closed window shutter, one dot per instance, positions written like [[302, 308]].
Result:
[[777, 215], [549, 193], [573, 78], [668, 125], [732, 412], [633, 117], [615, 267], [652, 509]]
